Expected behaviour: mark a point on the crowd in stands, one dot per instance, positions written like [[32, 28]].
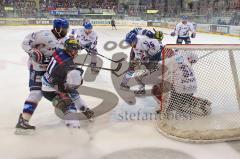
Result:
[[103, 4], [20, 8], [166, 8]]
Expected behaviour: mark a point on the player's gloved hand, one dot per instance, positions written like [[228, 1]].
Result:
[[172, 34], [193, 35], [37, 56], [148, 33], [80, 70], [158, 35], [88, 46]]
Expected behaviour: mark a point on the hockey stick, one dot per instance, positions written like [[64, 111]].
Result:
[[116, 61], [118, 75], [205, 55], [103, 68], [162, 32], [84, 59]]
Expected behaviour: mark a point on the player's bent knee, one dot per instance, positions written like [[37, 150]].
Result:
[[35, 96]]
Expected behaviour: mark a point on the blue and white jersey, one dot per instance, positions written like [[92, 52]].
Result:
[[181, 71], [44, 41], [85, 39], [146, 47], [141, 31], [182, 30]]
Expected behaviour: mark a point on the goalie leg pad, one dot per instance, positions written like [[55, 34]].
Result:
[[197, 107]]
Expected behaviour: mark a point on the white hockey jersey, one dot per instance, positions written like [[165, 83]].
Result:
[[182, 73], [146, 46], [182, 30], [46, 42], [85, 39]]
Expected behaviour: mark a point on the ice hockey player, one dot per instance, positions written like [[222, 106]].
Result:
[[113, 24], [84, 21], [88, 41], [183, 86], [40, 47], [182, 31], [145, 51], [61, 80], [148, 33]]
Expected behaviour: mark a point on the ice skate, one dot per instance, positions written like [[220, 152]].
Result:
[[140, 92], [71, 123], [89, 114], [124, 86], [94, 68], [23, 127]]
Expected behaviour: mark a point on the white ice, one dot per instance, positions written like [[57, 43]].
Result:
[[93, 141]]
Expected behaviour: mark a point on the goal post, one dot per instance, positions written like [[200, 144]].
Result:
[[209, 108]]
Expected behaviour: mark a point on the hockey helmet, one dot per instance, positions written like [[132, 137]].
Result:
[[60, 23], [130, 38], [184, 18], [88, 25], [72, 46]]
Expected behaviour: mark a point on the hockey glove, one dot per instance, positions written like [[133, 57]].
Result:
[[193, 35], [88, 46], [158, 35], [173, 34], [37, 56], [80, 70]]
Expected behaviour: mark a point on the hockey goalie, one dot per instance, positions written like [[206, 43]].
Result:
[[177, 99]]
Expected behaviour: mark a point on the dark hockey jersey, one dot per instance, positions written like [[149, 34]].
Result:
[[60, 64]]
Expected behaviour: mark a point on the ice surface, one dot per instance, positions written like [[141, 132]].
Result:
[[108, 134]]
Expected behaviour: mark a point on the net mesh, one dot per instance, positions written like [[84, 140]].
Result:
[[203, 100]]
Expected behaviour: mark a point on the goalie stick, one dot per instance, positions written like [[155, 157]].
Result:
[[103, 68]]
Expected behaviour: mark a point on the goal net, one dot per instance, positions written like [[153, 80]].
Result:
[[201, 101]]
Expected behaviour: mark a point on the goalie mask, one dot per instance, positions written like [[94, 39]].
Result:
[[192, 58], [74, 80]]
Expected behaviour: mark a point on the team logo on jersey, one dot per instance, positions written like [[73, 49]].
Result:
[[179, 59]]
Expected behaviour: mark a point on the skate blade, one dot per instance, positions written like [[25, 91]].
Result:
[[20, 131], [72, 127], [140, 94]]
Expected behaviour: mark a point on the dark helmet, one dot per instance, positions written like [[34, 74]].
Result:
[[71, 44]]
